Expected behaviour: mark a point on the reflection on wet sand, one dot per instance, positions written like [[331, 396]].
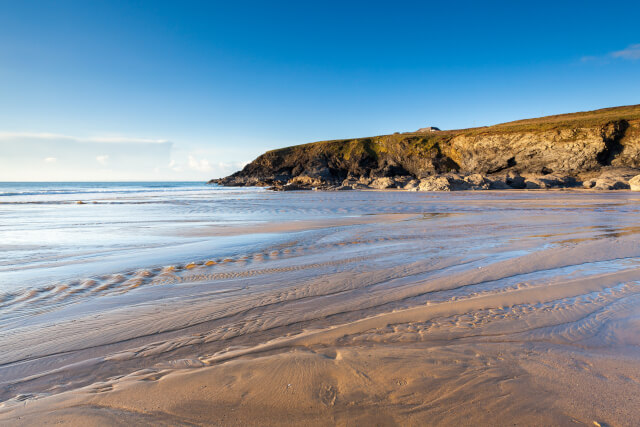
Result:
[[493, 309]]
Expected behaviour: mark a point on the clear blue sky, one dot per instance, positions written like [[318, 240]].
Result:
[[191, 90]]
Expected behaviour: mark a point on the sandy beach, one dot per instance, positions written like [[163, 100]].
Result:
[[256, 214], [344, 308]]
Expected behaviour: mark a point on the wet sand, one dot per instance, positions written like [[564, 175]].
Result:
[[501, 308]]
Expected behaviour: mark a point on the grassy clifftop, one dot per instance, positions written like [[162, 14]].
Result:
[[428, 141], [566, 143]]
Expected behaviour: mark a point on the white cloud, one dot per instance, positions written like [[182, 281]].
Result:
[[589, 58], [232, 166], [125, 139], [106, 139], [631, 52], [35, 135], [103, 159], [83, 158], [173, 165], [200, 165]]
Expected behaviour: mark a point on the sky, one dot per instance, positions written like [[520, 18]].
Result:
[[184, 90]]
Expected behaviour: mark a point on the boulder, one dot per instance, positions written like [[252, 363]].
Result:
[[534, 184], [514, 180], [634, 183], [317, 171], [382, 183], [401, 181], [549, 181], [290, 187], [350, 181], [499, 184], [612, 179], [434, 183], [610, 184], [305, 180], [556, 181], [411, 185], [477, 181], [359, 186]]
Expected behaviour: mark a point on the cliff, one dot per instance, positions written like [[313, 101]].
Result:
[[565, 150]]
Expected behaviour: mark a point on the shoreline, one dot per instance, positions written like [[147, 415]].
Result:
[[430, 303], [609, 179]]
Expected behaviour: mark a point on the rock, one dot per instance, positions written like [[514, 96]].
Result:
[[401, 181], [574, 147], [344, 188], [499, 184], [305, 180], [612, 179], [634, 183], [247, 181], [540, 153], [549, 181], [290, 187], [382, 183], [456, 182], [477, 181], [555, 181], [534, 184], [514, 180], [434, 183], [360, 186], [619, 174], [318, 170], [610, 184], [350, 181], [411, 185]]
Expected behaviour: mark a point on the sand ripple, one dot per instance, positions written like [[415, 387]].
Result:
[[509, 312]]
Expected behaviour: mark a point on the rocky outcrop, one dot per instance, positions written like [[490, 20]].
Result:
[[566, 151], [597, 150]]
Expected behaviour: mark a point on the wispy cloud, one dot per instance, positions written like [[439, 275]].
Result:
[[631, 52], [173, 165], [103, 159], [232, 166], [590, 58], [52, 156], [200, 165], [104, 139]]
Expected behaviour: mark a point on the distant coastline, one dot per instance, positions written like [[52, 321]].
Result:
[[597, 150]]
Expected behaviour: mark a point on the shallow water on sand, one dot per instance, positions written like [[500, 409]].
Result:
[[510, 287]]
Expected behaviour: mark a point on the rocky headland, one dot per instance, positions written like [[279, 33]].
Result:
[[594, 150]]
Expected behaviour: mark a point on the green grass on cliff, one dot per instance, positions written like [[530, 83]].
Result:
[[585, 119], [430, 143]]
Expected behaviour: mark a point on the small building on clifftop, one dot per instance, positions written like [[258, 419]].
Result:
[[428, 129]]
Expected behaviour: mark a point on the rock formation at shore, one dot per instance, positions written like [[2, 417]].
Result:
[[597, 149]]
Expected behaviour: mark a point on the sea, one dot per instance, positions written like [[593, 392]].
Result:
[[96, 271], [55, 236]]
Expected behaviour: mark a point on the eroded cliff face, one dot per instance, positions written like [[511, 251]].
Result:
[[566, 151], [581, 149], [383, 156]]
